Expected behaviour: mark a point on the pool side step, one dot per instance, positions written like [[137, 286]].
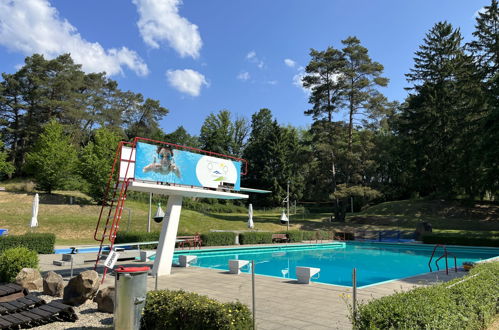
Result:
[[185, 260], [305, 274], [236, 265]]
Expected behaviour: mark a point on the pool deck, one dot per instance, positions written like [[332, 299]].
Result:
[[280, 303]]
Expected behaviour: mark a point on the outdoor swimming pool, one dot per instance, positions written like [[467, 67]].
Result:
[[375, 262]]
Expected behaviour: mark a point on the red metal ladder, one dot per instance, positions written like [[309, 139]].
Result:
[[107, 234], [444, 255]]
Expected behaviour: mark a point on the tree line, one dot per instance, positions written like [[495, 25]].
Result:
[[61, 125]]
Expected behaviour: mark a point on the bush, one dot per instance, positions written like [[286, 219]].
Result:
[[324, 235], [38, 242], [13, 260], [183, 310], [461, 239], [255, 237], [471, 304], [218, 238], [138, 236], [295, 236]]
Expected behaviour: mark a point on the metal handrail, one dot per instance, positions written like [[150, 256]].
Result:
[[445, 254]]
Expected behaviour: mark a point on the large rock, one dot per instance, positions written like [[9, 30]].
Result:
[[105, 300], [53, 284], [30, 278], [81, 288]]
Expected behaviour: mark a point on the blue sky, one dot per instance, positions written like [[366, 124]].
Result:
[[199, 56]]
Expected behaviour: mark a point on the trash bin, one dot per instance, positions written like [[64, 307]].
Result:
[[131, 288]]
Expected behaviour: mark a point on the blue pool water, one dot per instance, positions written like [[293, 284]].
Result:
[[375, 262]]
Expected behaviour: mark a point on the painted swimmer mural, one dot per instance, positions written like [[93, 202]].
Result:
[[167, 164]]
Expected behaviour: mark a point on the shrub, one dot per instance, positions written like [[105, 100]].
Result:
[[218, 238], [255, 237], [138, 236], [13, 260], [469, 304], [183, 310], [294, 236], [324, 235], [461, 239], [38, 242]]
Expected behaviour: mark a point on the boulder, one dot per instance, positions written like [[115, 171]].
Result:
[[81, 288], [105, 300], [53, 284], [30, 278]]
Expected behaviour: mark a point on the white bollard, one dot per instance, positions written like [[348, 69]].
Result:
[[236, 265], [185, 260], [304, 274]]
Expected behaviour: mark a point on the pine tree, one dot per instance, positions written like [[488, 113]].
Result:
[[324, 79], [438, 115]]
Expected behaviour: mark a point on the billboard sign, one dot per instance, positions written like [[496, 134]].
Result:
[[167, 164]]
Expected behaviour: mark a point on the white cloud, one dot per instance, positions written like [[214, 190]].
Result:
[[186, 81], [34, 26], [159, 21], [271, 82], [290, 62], [251, 56], [244, 76], [297, 79]]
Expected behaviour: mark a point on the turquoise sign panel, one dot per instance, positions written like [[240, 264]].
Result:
[[170, 165]]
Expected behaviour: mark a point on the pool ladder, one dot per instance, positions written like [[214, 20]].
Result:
[[445, 255]]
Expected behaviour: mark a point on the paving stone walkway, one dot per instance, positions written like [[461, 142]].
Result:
[[280, 303]]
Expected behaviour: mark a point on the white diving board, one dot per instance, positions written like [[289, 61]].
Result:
[[183, 191]]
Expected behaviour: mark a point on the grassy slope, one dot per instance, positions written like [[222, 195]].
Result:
[[75, 224]]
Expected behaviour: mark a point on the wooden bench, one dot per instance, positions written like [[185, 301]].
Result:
[[280, 238], [193, 241]]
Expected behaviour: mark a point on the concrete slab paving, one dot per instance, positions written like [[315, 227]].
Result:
[[280, 302]]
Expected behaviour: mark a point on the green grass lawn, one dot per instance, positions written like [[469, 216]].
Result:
[[75, 224]]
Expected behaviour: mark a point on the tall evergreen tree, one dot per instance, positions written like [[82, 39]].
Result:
[[361, 76], [437, 115], [325, 80]]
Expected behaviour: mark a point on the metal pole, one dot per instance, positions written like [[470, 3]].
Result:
[[149, 215], [354, 292], [253, 291], [71, 275], [351, 204], [287, 202], [156, 282]]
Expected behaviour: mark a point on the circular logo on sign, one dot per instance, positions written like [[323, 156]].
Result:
[[211, 171]]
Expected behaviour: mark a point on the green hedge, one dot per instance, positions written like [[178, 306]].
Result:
[[39, 242], [183, 310], [13, 260], [461, 239], [471, 304], [255, 237], [218, 238]]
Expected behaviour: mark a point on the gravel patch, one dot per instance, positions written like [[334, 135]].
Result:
[[88, 317]]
